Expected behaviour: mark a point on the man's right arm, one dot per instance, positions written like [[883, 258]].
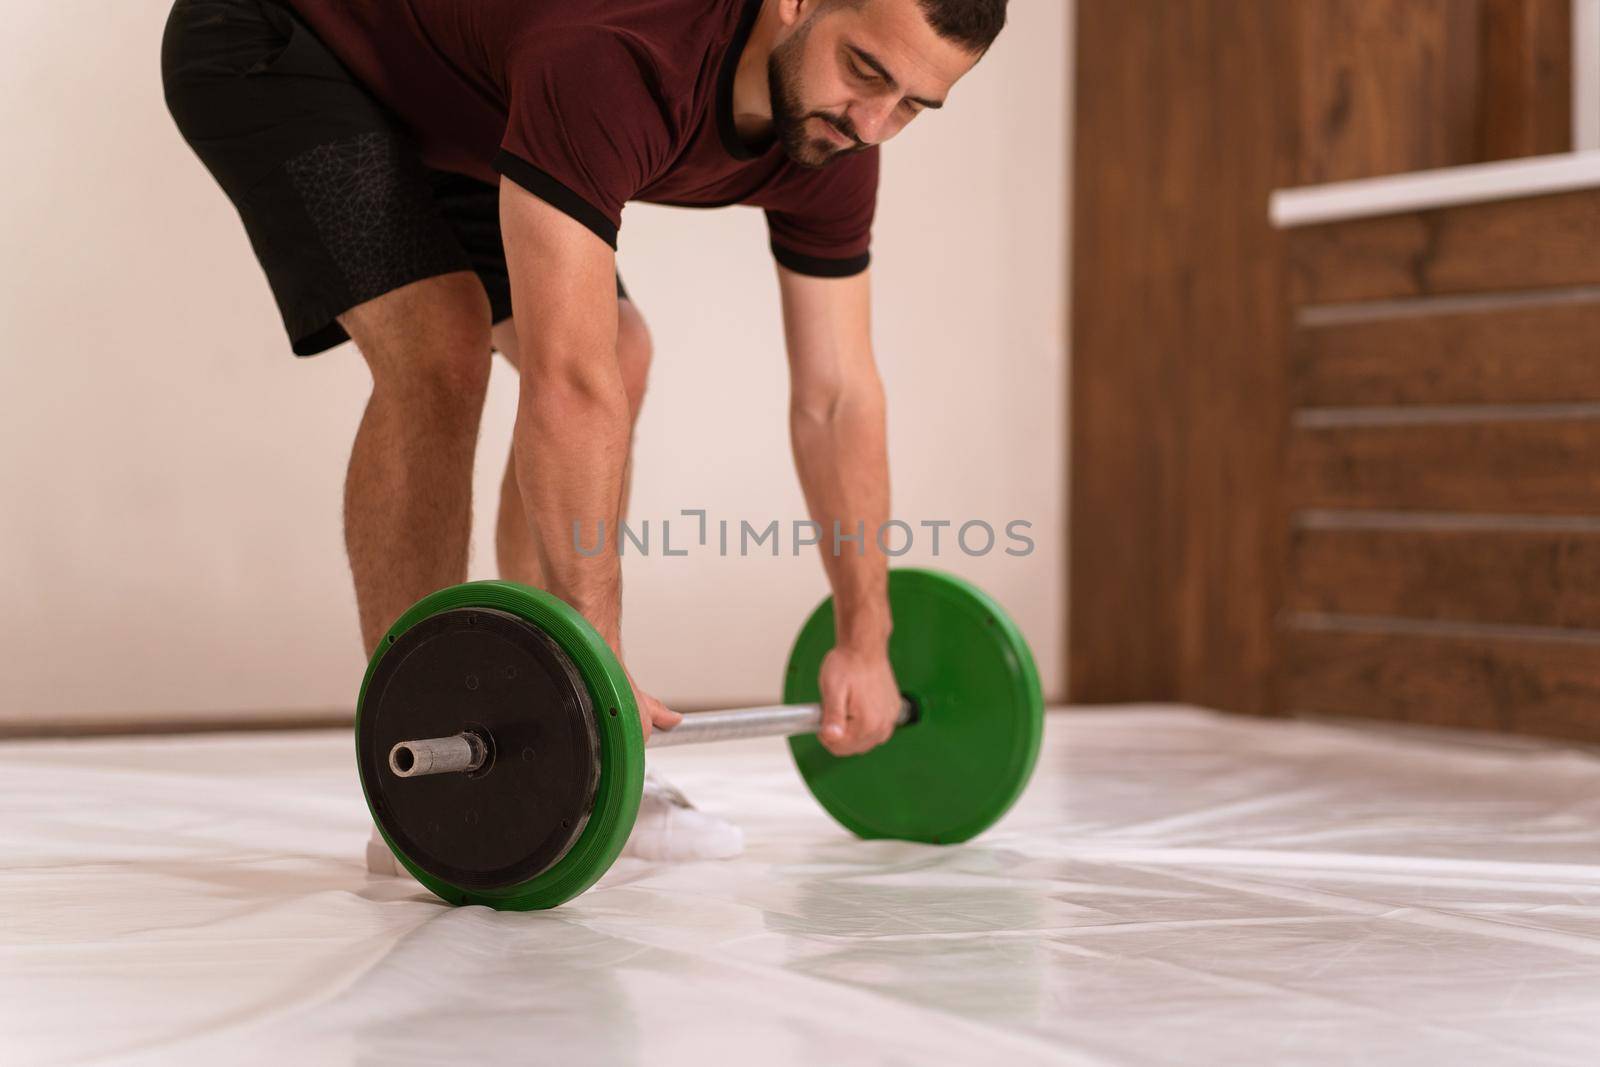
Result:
[[572, 429]]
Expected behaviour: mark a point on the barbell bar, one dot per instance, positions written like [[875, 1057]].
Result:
[[466, 753]]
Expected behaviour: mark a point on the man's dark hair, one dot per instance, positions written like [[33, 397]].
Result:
[[971, 23]]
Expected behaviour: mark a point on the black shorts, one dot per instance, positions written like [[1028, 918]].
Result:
[[330, 187]]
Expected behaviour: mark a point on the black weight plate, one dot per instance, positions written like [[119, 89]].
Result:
[[491, 672]]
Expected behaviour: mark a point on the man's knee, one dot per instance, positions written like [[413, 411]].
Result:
[[633, 353], [428, 341]]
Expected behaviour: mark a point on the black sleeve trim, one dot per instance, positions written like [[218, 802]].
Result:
[[818, 266], [556, 195]]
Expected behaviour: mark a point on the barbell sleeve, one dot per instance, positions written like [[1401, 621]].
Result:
[[461, 753], [465, 752]]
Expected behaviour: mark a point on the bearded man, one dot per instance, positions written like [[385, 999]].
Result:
[[438, 180]]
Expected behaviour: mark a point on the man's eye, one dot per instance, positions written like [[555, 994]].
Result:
[[865, 76]]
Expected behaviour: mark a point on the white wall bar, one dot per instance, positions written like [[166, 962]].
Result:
[[1446, 187]]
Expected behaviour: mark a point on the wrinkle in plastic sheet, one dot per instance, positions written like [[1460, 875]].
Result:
[[1175, 887]]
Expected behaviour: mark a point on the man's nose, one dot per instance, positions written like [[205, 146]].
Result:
[[871, 118]]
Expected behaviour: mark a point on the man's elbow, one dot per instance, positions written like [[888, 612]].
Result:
[[826, 403], [574, 383]]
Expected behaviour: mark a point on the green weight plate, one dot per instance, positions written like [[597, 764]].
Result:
[[951, 774], [621, 745]]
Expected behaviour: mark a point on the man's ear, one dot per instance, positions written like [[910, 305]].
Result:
[[792, 12]]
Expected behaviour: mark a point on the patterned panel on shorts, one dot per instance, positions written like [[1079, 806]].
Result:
[[369, 200]]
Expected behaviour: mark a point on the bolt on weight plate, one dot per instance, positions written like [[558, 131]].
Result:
[[955, 771], [617, 741]]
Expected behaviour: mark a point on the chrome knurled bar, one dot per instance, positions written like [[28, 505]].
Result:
[[465, 752]]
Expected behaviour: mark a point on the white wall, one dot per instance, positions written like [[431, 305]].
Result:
[[1586, 76], [170, 535]]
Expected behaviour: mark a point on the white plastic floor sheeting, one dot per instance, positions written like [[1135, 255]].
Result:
[[1176, 887]]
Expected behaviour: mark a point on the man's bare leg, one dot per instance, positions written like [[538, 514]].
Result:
[[515, 549], [408, 493]]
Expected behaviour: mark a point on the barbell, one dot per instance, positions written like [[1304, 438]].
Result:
[[501, 754]]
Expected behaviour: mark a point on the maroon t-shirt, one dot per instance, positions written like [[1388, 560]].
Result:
[[588, 104]]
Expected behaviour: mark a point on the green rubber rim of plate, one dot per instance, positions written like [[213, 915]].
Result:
[[954, 772], [616, 802]]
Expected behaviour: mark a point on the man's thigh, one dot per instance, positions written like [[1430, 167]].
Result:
[[437, 327]]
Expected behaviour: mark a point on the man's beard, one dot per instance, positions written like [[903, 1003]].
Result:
[[789, 115]]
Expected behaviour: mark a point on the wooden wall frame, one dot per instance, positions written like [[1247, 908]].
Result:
[[1188, 464]]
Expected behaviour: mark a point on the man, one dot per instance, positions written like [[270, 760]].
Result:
[[439, 179]]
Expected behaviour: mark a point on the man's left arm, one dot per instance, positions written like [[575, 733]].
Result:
[[837, 428]]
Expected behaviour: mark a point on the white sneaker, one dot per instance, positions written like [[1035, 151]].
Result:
[[669, 829], [672, 830], [380, 860]]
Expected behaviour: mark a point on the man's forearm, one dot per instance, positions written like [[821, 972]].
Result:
[[571, 442], [572, 429], [841, 454]]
